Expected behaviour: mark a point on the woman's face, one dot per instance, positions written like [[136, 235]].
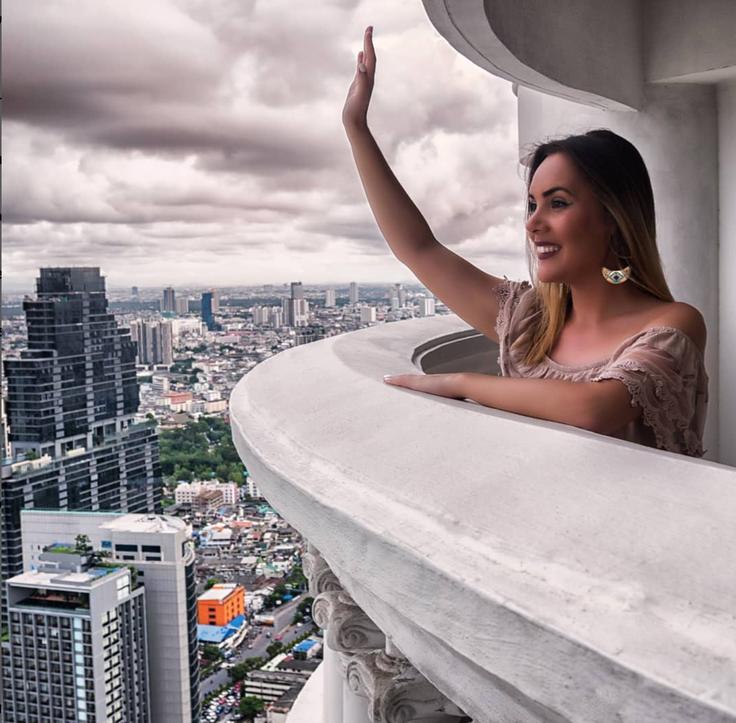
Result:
[[563, 213]]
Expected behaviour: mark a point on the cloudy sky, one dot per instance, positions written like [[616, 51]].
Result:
[[191, 142]]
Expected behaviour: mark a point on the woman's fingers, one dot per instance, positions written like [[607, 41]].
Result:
[[369, 53]]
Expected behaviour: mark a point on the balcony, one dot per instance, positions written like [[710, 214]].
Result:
[[475, 564]]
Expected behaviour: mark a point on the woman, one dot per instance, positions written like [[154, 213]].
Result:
[[596, 341]]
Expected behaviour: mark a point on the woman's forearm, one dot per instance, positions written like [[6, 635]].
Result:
[[577, 404], [553, 399], [400, 221]]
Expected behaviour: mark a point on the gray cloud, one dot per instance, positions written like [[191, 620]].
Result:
[[205, 139]]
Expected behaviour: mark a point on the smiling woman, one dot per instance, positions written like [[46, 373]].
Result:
[[595, 340]]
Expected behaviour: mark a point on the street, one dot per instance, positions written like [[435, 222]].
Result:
[[257, 637]]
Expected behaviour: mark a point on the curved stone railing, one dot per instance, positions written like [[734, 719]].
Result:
[[472, 561]]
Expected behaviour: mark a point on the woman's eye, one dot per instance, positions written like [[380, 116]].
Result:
[[561, 203]]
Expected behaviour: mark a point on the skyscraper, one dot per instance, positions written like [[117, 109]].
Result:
[[77, 643], [182, 305], [296, 308], [329, 298], [353, 293], [168, 303], [154, 340], [207, 311], [215, 301], [400, 293], [72, 398], [161, 551]]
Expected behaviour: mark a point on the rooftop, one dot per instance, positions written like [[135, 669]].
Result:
[[160, 524], [220, 592]]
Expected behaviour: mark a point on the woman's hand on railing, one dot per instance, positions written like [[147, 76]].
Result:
[[355, 111], [442, 385]]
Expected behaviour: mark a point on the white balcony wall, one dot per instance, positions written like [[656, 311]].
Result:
[[529, 570]]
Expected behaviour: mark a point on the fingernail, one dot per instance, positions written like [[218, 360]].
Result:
[[362, 68], [387, 377]]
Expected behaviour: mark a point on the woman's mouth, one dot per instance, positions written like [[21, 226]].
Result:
[[546, 251]]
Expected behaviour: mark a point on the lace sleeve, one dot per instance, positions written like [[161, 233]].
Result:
[[508, 294], [665, 375]]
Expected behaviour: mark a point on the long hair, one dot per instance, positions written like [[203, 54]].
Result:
[[620, 181]]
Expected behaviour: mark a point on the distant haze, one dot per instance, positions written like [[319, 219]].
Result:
[[199, 142]]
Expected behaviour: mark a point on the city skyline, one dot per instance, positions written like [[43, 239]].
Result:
[[203, 144]]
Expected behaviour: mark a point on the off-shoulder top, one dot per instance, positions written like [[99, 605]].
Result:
[[661, 367]]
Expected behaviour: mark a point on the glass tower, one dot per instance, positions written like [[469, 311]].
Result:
[[72, 397]]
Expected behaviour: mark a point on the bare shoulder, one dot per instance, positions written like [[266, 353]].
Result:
[[686, 318]]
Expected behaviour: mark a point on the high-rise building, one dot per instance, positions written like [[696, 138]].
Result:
[[161, 551], [367, 314], [296, 308], [215, 301], [134, 292], [4, 440], [168, 303], [72, 399], [182, 305], [155, 341], [354, 295], [400, 293], [297, 290], [207, 311], [260, 315], [276, 317], [77, 642], [426, 306], [329, 298]]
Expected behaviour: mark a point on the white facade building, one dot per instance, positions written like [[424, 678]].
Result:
[[367, 314], [425, 306], [185, 492], [160, 549]]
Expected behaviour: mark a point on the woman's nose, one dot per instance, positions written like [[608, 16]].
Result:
[[534, 221]]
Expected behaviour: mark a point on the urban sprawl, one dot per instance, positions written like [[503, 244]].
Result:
[[144, 576]]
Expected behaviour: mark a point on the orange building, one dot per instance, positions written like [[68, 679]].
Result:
[[220, 604]]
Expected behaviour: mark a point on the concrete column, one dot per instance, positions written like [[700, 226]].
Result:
[[354, 706], [727, 267], [676, 133], [333, 685]]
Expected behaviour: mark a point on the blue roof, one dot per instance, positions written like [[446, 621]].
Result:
[[236, 623], [218, 633], [212, 633], [305, 645]]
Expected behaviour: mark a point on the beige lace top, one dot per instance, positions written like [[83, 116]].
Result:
[[661, 367]]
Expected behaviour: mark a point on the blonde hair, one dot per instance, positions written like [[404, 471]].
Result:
[[620, 181]]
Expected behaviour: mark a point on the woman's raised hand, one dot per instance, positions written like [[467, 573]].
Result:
[[355, 112]]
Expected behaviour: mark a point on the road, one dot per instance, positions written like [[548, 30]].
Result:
[[257, 637]]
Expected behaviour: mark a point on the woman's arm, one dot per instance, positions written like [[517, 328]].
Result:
[[603, 407], [465, 288]]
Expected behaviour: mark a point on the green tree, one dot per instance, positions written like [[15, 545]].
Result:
[[82, 545], [210, 582], [274, 649], [211, 652], [250, 706]]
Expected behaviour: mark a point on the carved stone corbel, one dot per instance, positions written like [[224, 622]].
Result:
[[396, 691], [318, 572], [348, 628]]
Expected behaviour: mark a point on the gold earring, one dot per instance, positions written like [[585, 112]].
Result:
[[616, 276]]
